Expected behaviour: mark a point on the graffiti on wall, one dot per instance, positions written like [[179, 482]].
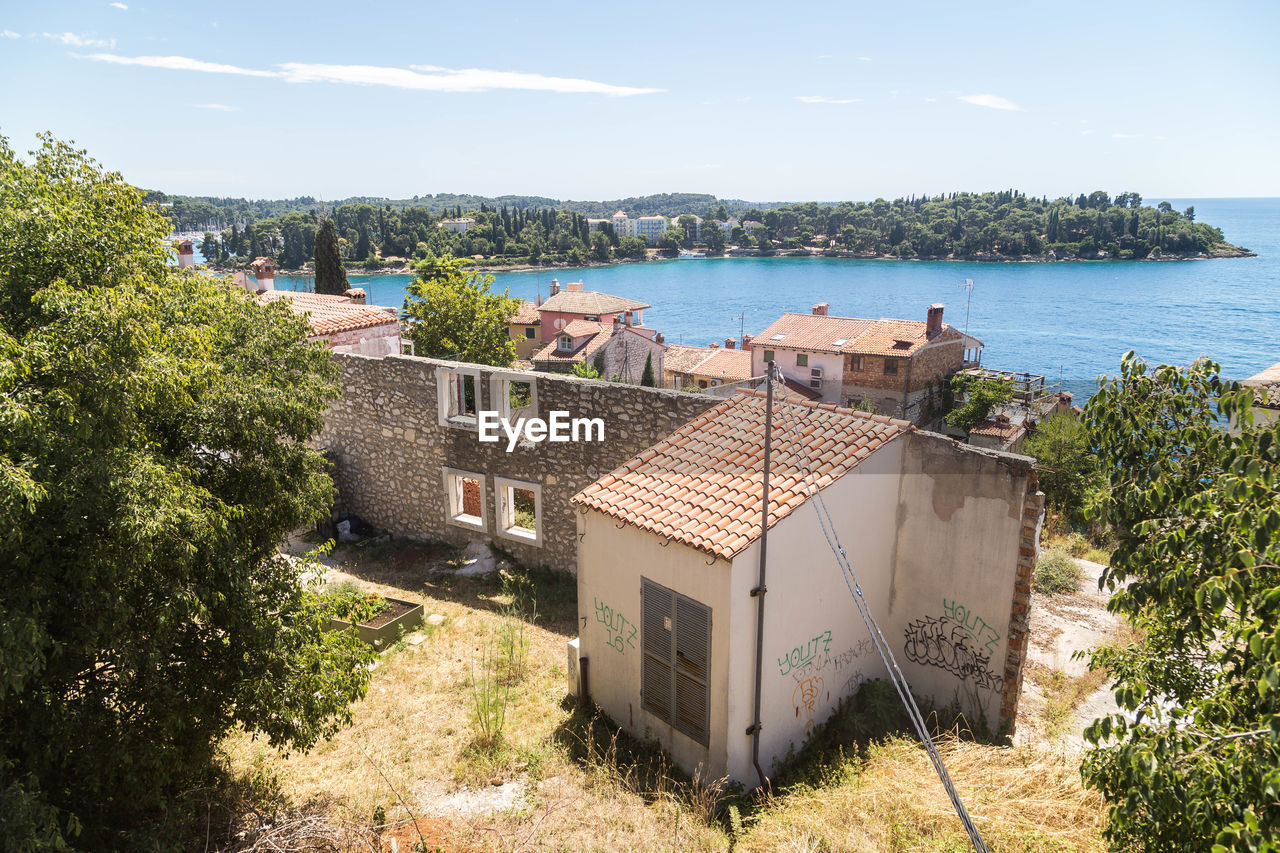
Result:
[[973, 623], [815, 657], [621, 631], [806, 698], [947, 644], [805, 654]]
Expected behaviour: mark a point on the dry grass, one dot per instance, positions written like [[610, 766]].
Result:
[[1021, 799], [411, 747], [1063, 694]]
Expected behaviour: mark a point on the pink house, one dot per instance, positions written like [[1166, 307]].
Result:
[[573, 303]]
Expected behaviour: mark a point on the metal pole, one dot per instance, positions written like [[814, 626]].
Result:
[[760, 590]]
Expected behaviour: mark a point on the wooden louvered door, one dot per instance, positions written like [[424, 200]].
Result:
[[675, 669]]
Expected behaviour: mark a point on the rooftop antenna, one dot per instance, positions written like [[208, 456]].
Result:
[[968, 286], [741, 328]]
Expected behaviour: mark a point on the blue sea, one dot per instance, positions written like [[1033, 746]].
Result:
[[1067, 321]]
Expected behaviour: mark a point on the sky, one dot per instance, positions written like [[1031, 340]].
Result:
[[758, 101]]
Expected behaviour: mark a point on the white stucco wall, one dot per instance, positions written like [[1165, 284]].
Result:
[[817, 649], [832, 365], [611, 562], [958, 534]]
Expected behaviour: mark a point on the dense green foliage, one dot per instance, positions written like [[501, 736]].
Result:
[[453, 314], [350, 603], [1194, 763], [583, 370], [1056, 573], [981, 397], [1067, 468], [154, 450], [646, 378], [331, 275], [989, 225]]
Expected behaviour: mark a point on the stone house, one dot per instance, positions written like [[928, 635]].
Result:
[[893, 365], [572, 303], [524, 327], [616, 350], [941, 536], [705, 367], [405, 443]]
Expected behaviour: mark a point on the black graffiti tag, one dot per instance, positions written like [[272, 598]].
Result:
[[948, 645]]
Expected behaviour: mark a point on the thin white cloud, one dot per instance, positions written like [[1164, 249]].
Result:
[[10, 34], [222, 108], [930, 100], [994, 102], [74, 40], [864, 59], [120, 6], [1126, 136], [426, 78], [819, 99], [178, 63]]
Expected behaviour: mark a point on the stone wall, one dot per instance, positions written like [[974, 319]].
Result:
[[1020, 615], [390, 450]]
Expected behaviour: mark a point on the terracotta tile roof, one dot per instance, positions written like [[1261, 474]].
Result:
[[526, 315], [701, 485], [1267, 387], [895, 337], [683, 359], [329, 315], [1006, 431], [810, 332], [728, 365], [552, 354], [803, 390], [589, 302]]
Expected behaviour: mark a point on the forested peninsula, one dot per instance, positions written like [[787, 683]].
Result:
[[507, 231]]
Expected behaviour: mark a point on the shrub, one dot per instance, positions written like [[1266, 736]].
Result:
[[1056, 572]]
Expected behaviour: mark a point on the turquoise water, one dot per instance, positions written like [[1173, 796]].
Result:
[[1068, 320]]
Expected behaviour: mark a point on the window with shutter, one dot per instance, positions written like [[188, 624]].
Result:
[[675, 669]]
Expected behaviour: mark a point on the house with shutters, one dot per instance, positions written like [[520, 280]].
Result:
[[524, 326], [889, 365], [941, 536], [572, 302], [614, 349]]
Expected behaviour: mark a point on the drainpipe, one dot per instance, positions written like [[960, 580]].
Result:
[[760, 589], [906, 390]]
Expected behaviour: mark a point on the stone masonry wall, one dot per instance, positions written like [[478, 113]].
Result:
[[390, 450], [1019, 618]]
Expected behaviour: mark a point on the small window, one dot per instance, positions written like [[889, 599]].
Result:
[[702, 383], [566, 343], [854, 364], [768, 355], [529, 333], [458, 396], [840, 342], [464, 492], [519, 510], [890, 367], [591, 318], [802, 359], [675, 669]]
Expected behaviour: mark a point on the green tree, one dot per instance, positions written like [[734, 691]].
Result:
[[453, 314], [331, 275], [209, 248], [583, 370], [981, 397], [713, 236], [155, 449], [1194, 762], [1068, 470], [646, 378]]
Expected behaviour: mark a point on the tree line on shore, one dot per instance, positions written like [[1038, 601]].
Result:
[[993, 225]]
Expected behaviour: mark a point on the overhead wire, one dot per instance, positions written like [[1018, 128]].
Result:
[[896, 677]]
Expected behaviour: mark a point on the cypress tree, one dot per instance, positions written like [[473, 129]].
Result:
[[331, 276], [646, 378]]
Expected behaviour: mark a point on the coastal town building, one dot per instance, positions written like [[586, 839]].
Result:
[[524, 327], [890, 365], [1266, 395], [941, 536], [572, 302], [617, 350], [687, 367], [648, 228], [1034, 399], [186, 253], [458, 225]]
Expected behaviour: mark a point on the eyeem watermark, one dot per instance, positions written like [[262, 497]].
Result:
[[560, 427]]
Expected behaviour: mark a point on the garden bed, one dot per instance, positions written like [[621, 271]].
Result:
[[384, 628]]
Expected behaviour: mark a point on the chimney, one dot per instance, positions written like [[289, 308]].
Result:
[[729, 343], [1003, 420], [934, 323], [617, 323], [629, 322], [355, 295], [661, 338], [746, 343], [715, 345], [555, 286], [574, 287], [265, 272], [186, 254], [820, 310]]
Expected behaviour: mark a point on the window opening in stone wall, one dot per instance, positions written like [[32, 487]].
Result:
[[519, 510], [854, 364], [675, 669], [890, 367], [465, 494], [459, 393]]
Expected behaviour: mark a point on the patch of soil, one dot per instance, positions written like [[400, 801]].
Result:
[[433, 832]]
